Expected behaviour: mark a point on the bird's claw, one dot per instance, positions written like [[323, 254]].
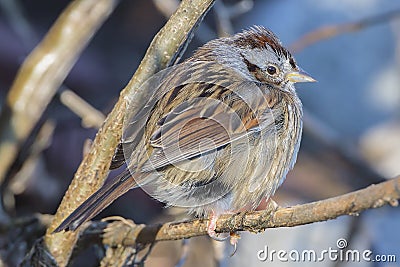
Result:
[[234, 241]]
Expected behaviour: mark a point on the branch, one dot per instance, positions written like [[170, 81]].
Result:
[[43, 71], [124, 233], [331, 31], [91, 117], [128, 234], [163, 51]]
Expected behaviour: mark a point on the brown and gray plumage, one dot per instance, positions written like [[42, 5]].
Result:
[[219, 134]]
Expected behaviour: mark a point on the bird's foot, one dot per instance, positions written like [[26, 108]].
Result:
[[234, 236], [212, 224]]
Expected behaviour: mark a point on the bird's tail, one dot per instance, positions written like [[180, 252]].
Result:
[[101, 199]]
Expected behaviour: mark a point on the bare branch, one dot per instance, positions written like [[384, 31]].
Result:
[[125, 233], [43, 72], [331, 31], [225, 13], [20, 181], [91, 117], [375, 196]]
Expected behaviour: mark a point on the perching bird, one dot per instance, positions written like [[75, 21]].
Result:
[[219, 133]]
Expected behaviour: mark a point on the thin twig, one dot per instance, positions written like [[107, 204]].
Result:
[[91, 117], [226, 12], [331, 31], [223, 18]]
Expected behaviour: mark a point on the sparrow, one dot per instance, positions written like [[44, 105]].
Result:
[[218, 134]]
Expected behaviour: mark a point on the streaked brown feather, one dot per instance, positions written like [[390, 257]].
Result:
[[119, 158], [177, 135]]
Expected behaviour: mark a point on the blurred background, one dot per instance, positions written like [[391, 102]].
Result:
[[352, 119]]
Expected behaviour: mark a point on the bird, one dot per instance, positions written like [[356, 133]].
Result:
[[218, 133]]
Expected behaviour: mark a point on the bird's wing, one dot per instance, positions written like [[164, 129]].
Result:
[[203, 125]]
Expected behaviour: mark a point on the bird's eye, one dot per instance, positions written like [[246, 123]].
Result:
[[272, 70]]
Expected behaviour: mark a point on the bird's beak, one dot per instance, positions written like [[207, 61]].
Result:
[[299, 77]]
